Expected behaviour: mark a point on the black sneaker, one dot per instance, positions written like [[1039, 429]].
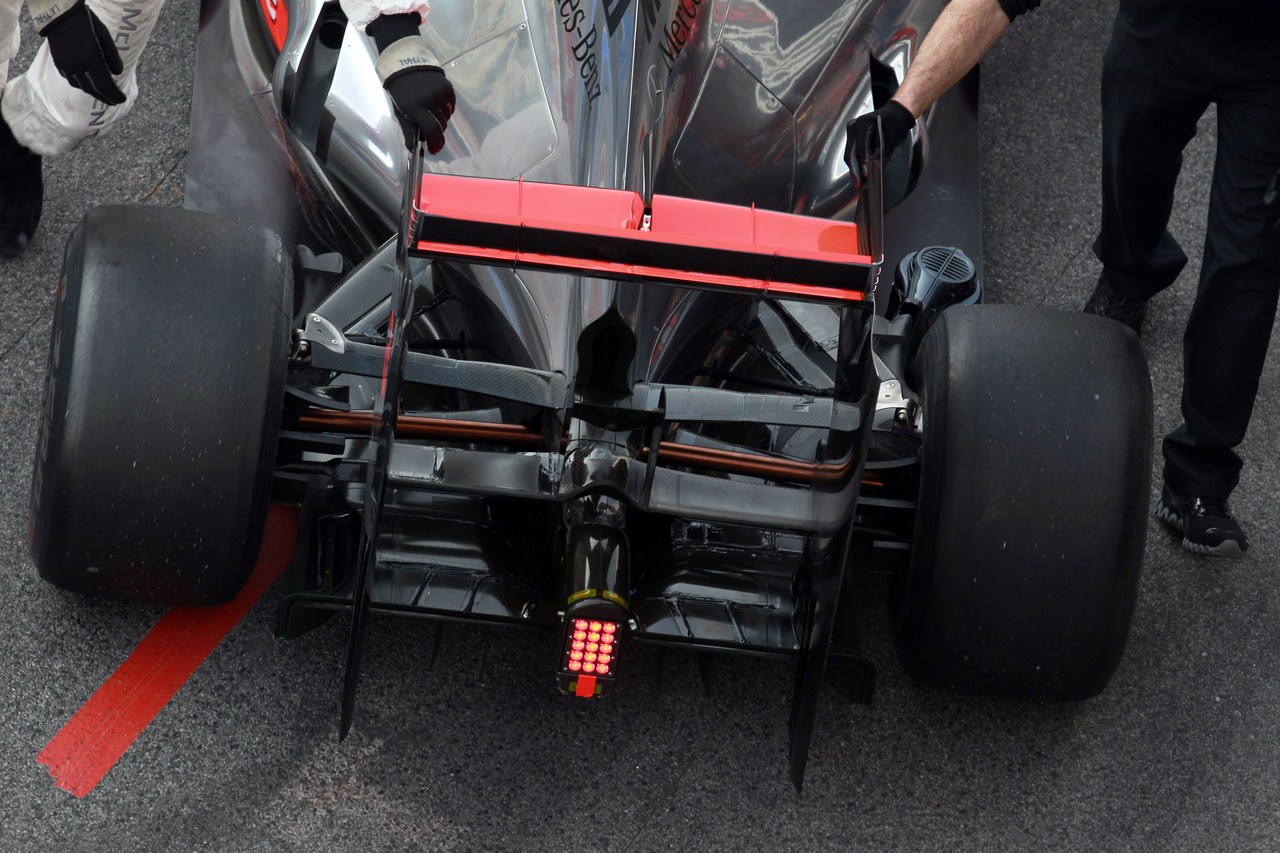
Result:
[[21, 194], [1105, 302], [1206, 525]]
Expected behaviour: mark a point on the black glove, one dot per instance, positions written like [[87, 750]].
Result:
[[82, 48], [423, 100], [420, 92], [896, 122]]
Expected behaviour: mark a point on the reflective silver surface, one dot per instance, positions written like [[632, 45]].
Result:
[[731, 100], [741, 101]]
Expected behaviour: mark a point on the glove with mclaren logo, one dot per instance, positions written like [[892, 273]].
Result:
[[81, 46], [896, 122], [421, 94]]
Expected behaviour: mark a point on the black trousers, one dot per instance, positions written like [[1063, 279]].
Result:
[[1166, 63]]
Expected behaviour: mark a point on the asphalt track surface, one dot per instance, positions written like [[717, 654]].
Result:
[[478, 751]]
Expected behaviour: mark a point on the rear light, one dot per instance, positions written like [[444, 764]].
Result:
[[597, 583], [590, 649]]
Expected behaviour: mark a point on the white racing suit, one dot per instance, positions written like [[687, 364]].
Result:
[[362, 12], [45, 112], [49, 116]]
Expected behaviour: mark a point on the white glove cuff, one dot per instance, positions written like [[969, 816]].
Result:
[[404, 55], [45, 12]]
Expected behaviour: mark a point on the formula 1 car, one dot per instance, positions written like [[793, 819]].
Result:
[[630, 361]]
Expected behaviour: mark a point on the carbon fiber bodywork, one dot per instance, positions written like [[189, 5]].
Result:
[[687, 462]]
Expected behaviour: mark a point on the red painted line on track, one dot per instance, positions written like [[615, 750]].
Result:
[[92, 741]]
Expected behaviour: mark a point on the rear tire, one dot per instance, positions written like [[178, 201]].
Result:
[[1032, 520], [162, 406]]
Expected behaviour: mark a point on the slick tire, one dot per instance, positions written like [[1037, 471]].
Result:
[[1032, 518], [162, 406]]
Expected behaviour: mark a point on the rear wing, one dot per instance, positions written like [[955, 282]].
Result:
[[613, 234]]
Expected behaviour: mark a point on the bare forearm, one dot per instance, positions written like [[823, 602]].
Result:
[[961, 36]]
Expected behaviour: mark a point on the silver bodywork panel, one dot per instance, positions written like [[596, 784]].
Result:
[[740, 101]]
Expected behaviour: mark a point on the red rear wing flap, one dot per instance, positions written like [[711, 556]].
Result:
[[609, 234]]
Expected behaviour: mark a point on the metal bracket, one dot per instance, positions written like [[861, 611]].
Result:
[[320, 331]]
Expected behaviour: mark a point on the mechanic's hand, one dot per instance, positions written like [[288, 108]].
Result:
[[82, 48], [861, 139], [421, 94], [423, 100]]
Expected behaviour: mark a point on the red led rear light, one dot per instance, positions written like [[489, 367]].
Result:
[[590, 647]]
